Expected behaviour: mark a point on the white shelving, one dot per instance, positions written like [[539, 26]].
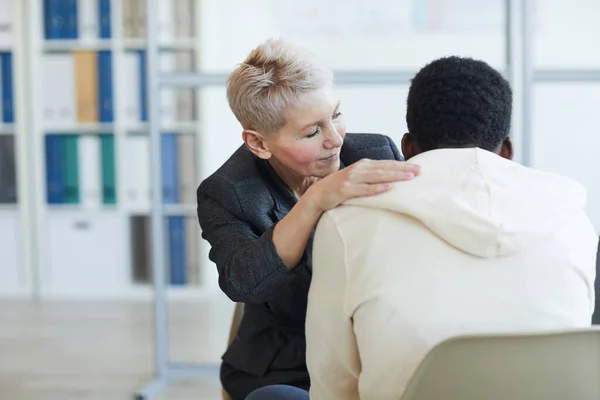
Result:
[[85, 250]]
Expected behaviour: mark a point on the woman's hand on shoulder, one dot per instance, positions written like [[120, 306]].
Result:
[[363, 178]]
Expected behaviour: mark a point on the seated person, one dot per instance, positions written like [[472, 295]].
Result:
[[477, 244]]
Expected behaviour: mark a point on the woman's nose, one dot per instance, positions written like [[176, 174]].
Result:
[[333, 139]]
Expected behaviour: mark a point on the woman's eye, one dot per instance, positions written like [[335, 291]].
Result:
[[313, 134], [337, 114]]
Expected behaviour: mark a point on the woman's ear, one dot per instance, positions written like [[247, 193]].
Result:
[[256, 143]]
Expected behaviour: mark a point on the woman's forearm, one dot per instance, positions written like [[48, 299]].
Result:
[[291, 234]]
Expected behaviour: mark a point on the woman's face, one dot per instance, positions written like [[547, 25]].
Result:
[[309, 144]]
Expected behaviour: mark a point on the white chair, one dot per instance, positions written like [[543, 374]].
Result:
[[550, 366]]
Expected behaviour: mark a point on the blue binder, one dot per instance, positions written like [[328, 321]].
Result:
[[104, 18], [71, 27], [55, 185], [143, 88], [177, 253], [54, 19], [170, 172], [8, 114], [105, 86]]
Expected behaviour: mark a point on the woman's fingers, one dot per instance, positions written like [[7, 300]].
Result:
[[383, 171], [369, 189]]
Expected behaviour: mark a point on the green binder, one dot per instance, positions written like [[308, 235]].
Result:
[[71, 170], [109, 189]]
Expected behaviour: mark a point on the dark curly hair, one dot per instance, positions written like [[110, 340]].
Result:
[[459, 102]]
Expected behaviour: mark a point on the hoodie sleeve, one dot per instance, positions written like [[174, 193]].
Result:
[[332, 355]]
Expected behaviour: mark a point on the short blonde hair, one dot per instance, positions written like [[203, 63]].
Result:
[[271, 78]]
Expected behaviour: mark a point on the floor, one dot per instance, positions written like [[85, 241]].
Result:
[[86, 350]]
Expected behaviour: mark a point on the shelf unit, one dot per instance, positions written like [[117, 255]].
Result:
[[85, 250]]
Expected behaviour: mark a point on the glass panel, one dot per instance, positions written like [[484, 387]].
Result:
[[567, 137], [375, 109], [567, 34], [356, 34]]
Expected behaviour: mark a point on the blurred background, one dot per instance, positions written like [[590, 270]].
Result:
[[90, 88]]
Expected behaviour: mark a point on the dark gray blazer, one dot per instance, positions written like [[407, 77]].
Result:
[[238, 206]]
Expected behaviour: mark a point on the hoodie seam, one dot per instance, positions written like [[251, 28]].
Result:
[[344, 263]]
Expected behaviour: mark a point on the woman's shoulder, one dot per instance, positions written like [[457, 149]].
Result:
[[368, 145], [240, 169]]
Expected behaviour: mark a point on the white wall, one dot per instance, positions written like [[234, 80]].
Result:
[[398, 35]]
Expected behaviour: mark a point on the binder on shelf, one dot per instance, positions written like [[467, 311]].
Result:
[[109, 189], [138, 173], [128, 19], [8, 175], [71, 28], [129, 106], [142, 82], [54, 20], [59, 89], [70, 171], [7, 88], [170, 173], [87, 20], [192, 255], [186, 168], [55, 185], [105, 86], [6, 23], [184, 18], [140, 239], [105, 31], [86, 76], [90, 171], [177, 252]]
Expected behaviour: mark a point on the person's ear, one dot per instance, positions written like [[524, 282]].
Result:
[[409, 146], [506, 149], [256, 143]]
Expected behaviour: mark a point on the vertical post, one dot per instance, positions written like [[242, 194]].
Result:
[[157, 218], [28, 182], [515, 66], [527, 30]]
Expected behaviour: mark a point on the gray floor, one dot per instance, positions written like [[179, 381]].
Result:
[[103, 350]]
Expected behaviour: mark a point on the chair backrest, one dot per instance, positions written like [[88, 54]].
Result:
[[238, 312], [549, 366]]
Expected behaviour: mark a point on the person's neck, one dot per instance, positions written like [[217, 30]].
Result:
[[298, 184]]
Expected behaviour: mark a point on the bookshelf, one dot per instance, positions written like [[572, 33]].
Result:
[[88, 213]]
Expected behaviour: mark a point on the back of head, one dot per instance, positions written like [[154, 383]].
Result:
[[272, 77], [459, 102]]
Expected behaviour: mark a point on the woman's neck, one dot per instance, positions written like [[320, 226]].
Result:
[[298, 184]]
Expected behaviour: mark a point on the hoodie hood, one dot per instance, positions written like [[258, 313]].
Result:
[[481, 203]]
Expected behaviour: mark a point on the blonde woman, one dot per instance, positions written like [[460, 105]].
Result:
[[258, 211]]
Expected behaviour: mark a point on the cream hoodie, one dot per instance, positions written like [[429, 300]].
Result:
[[476, 243]]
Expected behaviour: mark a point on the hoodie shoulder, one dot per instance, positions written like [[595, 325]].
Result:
[[368, 145]]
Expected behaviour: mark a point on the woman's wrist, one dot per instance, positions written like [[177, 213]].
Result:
[[311, 202]]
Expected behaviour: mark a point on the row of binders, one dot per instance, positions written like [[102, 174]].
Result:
[[68, 19], [88, 19], [181, 239], [78, 87], [81, 169]]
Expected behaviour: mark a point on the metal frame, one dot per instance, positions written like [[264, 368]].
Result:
[[519, 69]]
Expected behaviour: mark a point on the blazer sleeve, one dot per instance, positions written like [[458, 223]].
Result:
[[395, 150], [250, 270]]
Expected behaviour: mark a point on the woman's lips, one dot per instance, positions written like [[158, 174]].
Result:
[[332, 157]]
